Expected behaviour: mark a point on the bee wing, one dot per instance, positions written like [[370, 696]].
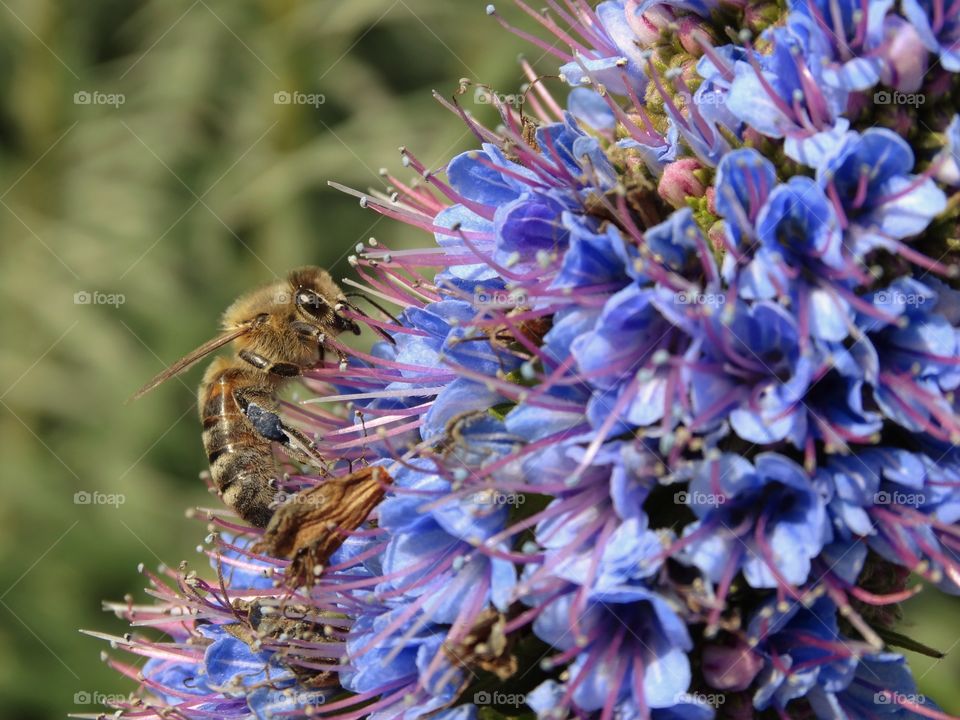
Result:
[[191, 359]]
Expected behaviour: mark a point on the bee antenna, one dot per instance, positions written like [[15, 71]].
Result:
[[373, 302], [379, 307]]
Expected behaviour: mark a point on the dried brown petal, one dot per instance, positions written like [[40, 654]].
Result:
[[310, 527]]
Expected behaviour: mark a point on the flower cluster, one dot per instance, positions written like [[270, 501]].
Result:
[[669, 406]]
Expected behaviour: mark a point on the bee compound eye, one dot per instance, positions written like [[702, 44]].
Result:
[[310, 302]]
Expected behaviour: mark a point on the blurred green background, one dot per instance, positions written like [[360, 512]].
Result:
[[143, 154]]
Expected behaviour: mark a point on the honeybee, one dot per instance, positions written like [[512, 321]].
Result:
[[278, 331]]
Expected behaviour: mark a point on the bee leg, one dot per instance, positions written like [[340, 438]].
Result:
[[300, 447], [268, 424], [261, 363], [285, 369], [258, 361], [341, 358], [342, 322]]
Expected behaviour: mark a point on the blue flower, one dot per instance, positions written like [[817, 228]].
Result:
[[632, 644], [401, 657], [939, 29], [786, 95], [597, 258], [764, 518], [753, 373], [882, 687], [917, 347], [616, 56], [869, 176], [853, 32], [744, 181], [530, 225], [800, 255], [620, 358], [803, 649]]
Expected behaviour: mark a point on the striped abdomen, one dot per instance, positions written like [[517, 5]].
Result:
[[241, 461]]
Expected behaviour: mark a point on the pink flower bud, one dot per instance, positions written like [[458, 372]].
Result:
[[712, 200], [692, 35], [905, 56], [679, 182], [648, 26]]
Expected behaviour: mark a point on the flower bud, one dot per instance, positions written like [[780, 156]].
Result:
[[679, 181], [649, 25], [693, 35], [905, 56]]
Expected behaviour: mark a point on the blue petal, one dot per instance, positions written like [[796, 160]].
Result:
[[910, 212], [812, 150], [470, 175], [589, 108], [460, 396]]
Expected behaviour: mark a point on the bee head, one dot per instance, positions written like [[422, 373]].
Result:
[[318, 300]]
